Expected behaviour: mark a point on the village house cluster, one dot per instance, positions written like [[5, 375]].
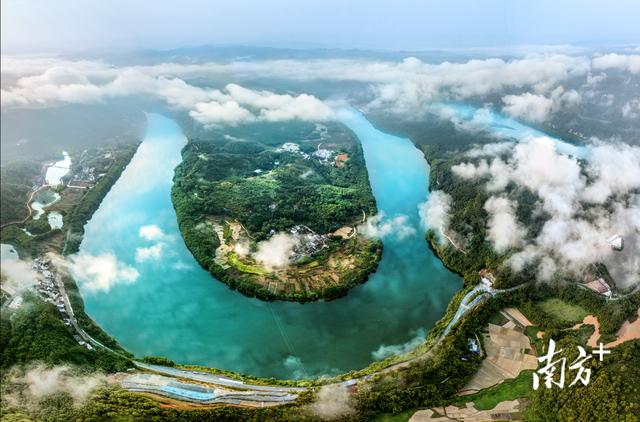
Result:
[[49, 291], [309, 243], [325, 156], [293, 148], [85, 174]]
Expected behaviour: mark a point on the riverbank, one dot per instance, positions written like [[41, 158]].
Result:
[[93, 197], [71, 205], [54, 309]]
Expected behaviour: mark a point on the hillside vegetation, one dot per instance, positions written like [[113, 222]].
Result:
[[260, 183]]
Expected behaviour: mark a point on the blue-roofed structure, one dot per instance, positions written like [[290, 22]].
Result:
[[189, 391]]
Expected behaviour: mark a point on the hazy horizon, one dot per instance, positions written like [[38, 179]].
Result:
[[75, 26]]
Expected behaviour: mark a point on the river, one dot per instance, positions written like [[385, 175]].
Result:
[[57, 170], [504, 128], [154, 299]]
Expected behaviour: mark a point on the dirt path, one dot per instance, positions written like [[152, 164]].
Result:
[[452, 242], [628, 331], [24, 220], [43, 173]]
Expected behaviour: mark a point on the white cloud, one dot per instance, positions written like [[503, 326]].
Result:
[[421, 83], [503, 228], [27, 65], [434, 212], [595, 79], [586, 203], [181, 266], [214, 113], [532, 107], [277, 107], [295, 365], [530, 85], [276, 251], [407, 86], [101, 272], [38, 383], [628, 62], [242, 248], [396, 349], [491, 149], [151, 232], [155, 252], [500, 175], [57, 84], [539, 108], [211, 107], [17, 275], [615, 169], [236, 107], [631, 109], [175, 91], [332, 402], [470, 170], [499, 171], [150, 253], [554, 177], [381, 227]]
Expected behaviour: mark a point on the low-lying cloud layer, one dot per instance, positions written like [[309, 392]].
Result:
[[531, 87], [332, 401], [503, 228], [211, 107], [17, 275], [586, 203], [537, 107], [39, 382], [101, 272], [385, 350], [276, 251], [434, 213]]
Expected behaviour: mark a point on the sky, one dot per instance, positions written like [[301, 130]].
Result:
[[44, 26]]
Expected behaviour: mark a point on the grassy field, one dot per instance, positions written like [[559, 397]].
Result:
[[240, 266], [563, 311], [498, 319], [487, 399], [510, 389]]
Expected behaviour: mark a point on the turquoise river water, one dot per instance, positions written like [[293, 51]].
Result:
[[175, 309], [154, 299]]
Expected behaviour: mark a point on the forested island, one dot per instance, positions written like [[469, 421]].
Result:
[[272, 210]]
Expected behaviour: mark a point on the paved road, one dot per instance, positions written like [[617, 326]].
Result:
[[239, 398], [465, 306], [213, 379], [74, 323]]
